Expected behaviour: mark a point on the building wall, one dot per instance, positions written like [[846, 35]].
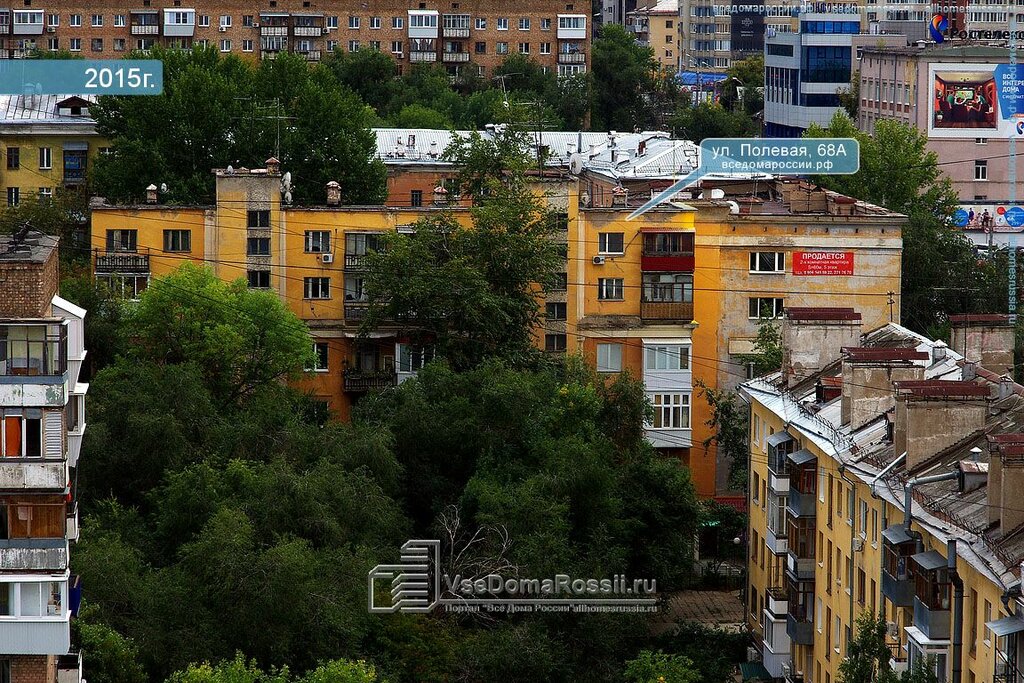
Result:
[[28, 287], [29, 177], [243, 37]]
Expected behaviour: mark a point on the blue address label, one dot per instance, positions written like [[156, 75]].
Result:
[[81, 76]]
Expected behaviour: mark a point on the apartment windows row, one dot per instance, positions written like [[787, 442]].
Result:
[[33, 599], [44, 157], [31, 433], [32, 520], [664, 358], [14, 195], [656, 287]]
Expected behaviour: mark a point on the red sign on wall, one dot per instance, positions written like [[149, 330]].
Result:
[[823, 263]]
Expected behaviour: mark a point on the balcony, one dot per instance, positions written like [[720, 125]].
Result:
[[423, 56], [455, 57], [355, 262], [72, 526], [778, 601], [368, 380], [38, 636], [455, 32], [309, 55], [801, 504], [34, 555], [800, 567], [306, 32], [676, 311], [274, 31], [578, 58], [145, 29], [897, 548], [932, 595], [799, 632], [21, 474], [109, 261]]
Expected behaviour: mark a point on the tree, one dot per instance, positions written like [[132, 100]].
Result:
[[729, 431], [747, 74], [418, 116], [767, 356], [106, 319], [243, 339], [111, 657], [708, 120], [368, 73], [63, 215], [849, 98], [623, 72], [658, 667], [868, 656]]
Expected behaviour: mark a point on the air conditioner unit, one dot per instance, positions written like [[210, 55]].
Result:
[[858, 545], [51, 29], [324, 31], [223, 29], [327, 258], [599, 260], [891, 630], [256, 25]]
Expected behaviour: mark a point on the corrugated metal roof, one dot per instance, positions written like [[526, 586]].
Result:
[[16, 109]]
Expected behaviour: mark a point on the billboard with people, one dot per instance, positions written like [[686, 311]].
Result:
[[975, 101]]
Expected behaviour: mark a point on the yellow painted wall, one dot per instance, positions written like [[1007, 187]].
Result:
[[29, 177]]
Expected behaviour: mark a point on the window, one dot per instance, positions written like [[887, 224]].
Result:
[[257, 246], [97, 20], [97, 44], [524, 23], [480, 47], [51, 20], [225, 21], [119, 44], [609, 288], [316, 287], [862, 521], [177, 240], [767, 262], [204, 21], [13, 157], [561, 282], [981, 141], [988, 618], [75, 20], [668, 287], [225, 45], [122, 240], [416, 198], [610, 243], [545, 48], [45, 158], [332, 22], [524, 48], [353, 22], [258, 279], [502, 24], [666, 357], [53, 44], [671, 411], [397, 22], [981, 169], [247, 45], [318, 241], [481, 24], [555, 311], [501, 48], [45, 193], [554, 342], [412, 358], [545, 24], [13, 196], [572, 22], [396, 47], [762, 307], [248, 20], [609, 357], [76, 45], [258, 218]]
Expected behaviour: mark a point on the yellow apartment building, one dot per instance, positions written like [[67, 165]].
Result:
[[656, 25], [854, 427], [48, 142]]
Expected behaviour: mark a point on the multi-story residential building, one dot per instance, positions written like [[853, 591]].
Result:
[[882, 470], [656, 25], [42, 411], [48, 142], [949, 93], [805, 69], [674, 297], [481, 32]]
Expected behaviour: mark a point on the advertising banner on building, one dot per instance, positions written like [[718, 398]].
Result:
[[976, 101], [986, 217], [823, 263], [747, 26]]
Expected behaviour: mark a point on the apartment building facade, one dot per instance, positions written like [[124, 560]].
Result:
[[481, 33], [878, 470], [656, 25], [48, 144], [948, 93], [42, 408]]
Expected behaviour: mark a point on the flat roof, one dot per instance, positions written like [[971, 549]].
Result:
[[939, 387]]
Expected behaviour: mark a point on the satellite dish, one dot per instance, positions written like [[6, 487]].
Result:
[[287, 179], [575, 164], [163, 187], [230, 169], [287, 197]]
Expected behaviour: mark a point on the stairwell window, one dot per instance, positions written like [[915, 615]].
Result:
[[609, 288], [258, 279], [257, 246], [258, 219], [316, 288], [555, 311], [554, 342]]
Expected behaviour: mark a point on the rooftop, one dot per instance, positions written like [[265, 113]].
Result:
[[28, 109], [933, 51], [34, 248]]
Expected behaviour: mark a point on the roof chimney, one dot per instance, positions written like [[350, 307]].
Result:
[[985, 338], [932, 415], [813, 337], [333, 193], [1005, 470], [273, 166], [868, 376], [151, 194]]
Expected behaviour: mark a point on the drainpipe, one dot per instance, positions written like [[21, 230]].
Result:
[[853, 535], [958, 612], [908, 500]]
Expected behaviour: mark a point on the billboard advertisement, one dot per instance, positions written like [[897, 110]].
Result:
[[989, 217], [822, 263], [747, 26], [976, 101]]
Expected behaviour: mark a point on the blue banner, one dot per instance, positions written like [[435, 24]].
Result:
[[81, 77], [1010, 89]]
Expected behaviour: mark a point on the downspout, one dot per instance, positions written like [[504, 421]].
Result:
[[908, 500], [958, 612], [853, 535]]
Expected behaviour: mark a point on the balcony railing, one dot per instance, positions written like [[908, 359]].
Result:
[[455, 32], [310, 55], [423, 56], [145, 30], [115, 261], [274, 31], [307, 31], [681, 311], [369, 380], [356, 312], [572, 58], [455, 57], [355, 261]]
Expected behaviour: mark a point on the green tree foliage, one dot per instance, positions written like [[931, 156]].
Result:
[[63, 214], [867, 658], [747, 74], [368, 73], [623, 72], [218, 110], [767, 356], [111, 657], [941, 273], [729, 427], [714, 653], [658, 667], [106, 314], [711, 121]]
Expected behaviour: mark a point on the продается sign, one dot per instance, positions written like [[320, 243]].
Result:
[[823, 263]]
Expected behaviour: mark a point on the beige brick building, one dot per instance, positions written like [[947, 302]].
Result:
[[477, 33]]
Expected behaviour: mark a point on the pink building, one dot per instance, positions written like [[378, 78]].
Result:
[[949, 91]]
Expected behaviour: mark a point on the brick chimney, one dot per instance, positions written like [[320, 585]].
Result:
[[932, 415], [868, 376], [151, 196], [28, 275], [986, 339], [813, 337], [1005, 480], [333, 193]]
